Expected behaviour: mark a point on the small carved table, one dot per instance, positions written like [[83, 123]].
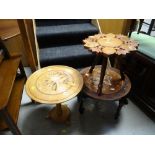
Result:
[[103, 82], [55, 85], [114, 88]]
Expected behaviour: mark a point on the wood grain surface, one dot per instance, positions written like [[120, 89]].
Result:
[[14, 102], [113, 87], [8, 70], [54, 84]]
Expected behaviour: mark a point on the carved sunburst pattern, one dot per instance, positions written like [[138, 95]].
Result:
[[54, 82]]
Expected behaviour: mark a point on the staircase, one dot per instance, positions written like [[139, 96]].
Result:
[[60, 42]]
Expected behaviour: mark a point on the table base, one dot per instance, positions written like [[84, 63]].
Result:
[[60, 113], [90, 89]]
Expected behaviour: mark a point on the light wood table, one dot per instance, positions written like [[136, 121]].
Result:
[[55, 85]]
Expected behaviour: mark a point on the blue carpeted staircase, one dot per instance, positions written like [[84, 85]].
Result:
[[60, 41]]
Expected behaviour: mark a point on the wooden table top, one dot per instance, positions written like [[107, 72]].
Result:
[[54, 84], [113, 87], [109, 44]]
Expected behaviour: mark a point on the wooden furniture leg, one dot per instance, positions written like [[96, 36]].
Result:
[[9, 121], [151, 26], [23, 74], [33, 101], [94, 63], [123, 101], [122, 70], [140, 25], [58, 109], [119, 65], [80, 100], [103, 69], [60, 113], [132, 26]]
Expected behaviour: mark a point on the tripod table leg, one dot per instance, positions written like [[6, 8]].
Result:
[[103, 69], [123, 101], [94, 63]]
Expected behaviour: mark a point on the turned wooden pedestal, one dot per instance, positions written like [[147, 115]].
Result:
[[61, 113]]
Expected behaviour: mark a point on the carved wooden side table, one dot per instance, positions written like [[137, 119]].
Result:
[[104, 82], [55, 85], [113, 87]]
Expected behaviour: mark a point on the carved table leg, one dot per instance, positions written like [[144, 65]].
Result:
[[119, 65], [94, 63], [122, 69], [123, 101], [103, 69]]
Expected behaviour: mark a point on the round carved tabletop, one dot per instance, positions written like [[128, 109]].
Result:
[[113, 87], [54, 84]]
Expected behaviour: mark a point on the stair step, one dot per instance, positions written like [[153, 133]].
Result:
[[52, 22], [74, 56], [8, 70], [64, 34], [14, 102]]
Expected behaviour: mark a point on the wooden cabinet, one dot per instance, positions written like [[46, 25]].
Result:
[[141, 70]]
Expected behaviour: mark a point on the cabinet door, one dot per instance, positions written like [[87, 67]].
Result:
[[141, 71], [150, 88], [137, 69]]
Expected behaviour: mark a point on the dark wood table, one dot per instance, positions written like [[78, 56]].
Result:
[[113, 88]]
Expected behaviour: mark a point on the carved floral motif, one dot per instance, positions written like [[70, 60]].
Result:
[[54, 82], [110, 44]]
